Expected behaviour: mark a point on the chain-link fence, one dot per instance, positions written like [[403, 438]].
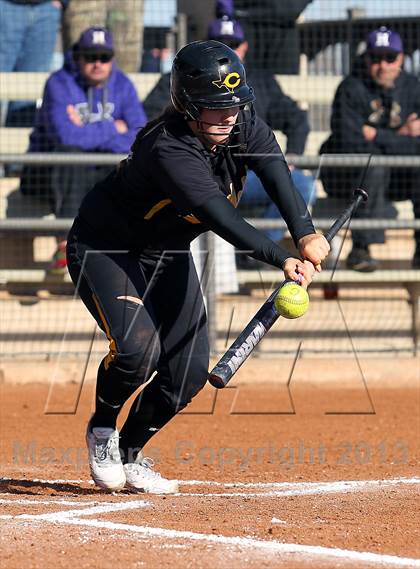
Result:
[[60, 133]]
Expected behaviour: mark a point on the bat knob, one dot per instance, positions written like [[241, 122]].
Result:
[[362, 194], [216, 381]]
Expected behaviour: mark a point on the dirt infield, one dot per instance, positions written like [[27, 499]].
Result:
[[324, 474]]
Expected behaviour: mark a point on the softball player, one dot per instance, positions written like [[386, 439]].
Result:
[[128, 252]]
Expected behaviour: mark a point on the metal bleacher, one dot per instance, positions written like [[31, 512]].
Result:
[[21, 272], [309, 90]]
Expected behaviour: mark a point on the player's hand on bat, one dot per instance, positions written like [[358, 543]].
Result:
[[314, 248], [299, 271]]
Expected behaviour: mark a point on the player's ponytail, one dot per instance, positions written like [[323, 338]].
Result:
[[168, 113]]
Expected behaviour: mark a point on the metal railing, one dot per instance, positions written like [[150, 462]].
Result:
[[309, 162], [56, 226]]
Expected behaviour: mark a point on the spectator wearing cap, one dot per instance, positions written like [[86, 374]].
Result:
[[278, 110], [225, 8], [88, 106], [376, 111], [124, 18]]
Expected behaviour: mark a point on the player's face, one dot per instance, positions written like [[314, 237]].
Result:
[[95, 67], [384, 68], [217, 124]]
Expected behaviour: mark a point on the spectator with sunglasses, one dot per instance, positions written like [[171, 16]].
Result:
[[88, 106], [376, 110]]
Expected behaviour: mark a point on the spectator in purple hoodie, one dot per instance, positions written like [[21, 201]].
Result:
[[88, 106]]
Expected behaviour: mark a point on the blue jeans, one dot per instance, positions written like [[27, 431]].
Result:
[[27, 38], [255, 195], [28, 35]]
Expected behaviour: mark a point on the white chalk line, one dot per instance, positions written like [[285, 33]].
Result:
[[74, 517], [103, 508], [401, 480], [60, 501], [310, 488], [90, 508], [290, 485], [277, 489], [312, 551]]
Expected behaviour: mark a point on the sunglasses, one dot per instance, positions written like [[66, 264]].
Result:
[[102, 57], [378, 57]]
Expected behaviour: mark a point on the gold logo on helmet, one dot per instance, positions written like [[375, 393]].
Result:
[[231, 81]]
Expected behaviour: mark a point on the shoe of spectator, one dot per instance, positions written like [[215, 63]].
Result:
[[360, 260], [59, 261]]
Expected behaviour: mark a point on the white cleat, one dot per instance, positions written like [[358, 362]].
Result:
[[105, 463], [140, 476]]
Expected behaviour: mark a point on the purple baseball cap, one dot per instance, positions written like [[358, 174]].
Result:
[[96, 39], [384, 39], [224, 29], [224, 8]]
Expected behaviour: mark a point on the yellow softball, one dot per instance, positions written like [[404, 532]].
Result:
[[292, 300]]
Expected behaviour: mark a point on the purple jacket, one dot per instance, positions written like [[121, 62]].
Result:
[[98, 108]]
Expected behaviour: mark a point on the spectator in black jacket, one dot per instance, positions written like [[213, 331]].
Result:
[[278, 110], [376, 110]]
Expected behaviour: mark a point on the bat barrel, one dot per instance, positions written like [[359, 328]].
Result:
[[239, 351], [256, 328]]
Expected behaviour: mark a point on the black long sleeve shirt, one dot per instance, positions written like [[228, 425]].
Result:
[[172, 189]]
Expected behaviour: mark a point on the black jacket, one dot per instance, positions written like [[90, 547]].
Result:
[[278, 110], [360, 101], [171, 189]]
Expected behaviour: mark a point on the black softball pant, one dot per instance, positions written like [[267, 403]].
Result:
[[151, 307]]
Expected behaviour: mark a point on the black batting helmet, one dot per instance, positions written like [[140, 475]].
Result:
[[210, 75]]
